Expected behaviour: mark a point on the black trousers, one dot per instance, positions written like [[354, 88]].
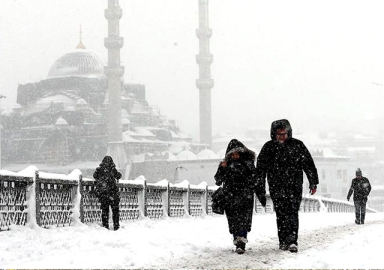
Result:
[[105, 203], [360, 206], [287, 219]]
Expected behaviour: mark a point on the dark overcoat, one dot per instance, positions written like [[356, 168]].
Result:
[[239, 183], [106, 176], [360, 189], [283, 165]]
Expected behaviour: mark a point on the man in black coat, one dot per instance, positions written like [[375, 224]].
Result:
[[361, 189], [282, 161], [107, 192]]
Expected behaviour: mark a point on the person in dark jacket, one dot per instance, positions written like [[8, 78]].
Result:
[[237, 175], [282, 161], [106, 176], [361, 189]]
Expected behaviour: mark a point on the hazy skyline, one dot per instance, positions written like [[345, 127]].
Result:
[[319, 63]]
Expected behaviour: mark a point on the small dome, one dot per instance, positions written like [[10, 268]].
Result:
[[186, 155], [207, 154], [125, 121], [80, 63], [169, 155], [81, 101], [69, 109], [61, 122]]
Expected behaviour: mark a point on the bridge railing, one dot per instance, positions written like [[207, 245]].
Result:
[[54, 200], [13, 201], [47, 200], [142, 199]]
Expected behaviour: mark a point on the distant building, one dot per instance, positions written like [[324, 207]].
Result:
[[61, 120], [376, 198], [335, 173]]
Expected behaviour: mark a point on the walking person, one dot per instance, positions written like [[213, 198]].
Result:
[[360, 188], [237, 175], [106, 176], [282, 161]]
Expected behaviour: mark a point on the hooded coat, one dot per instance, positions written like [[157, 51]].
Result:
[[106, 175], [283, 165], [360, 189], [239, 184]]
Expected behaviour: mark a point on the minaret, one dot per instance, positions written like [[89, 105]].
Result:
[[204, 59], [114, 72], [80, 46]]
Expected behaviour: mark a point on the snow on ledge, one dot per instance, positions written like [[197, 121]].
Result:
[[183, 184], [72, 176]]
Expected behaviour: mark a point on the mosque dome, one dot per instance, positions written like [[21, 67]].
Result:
[[79, 63]]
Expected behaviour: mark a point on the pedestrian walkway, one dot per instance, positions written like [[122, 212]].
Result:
[[326, 240]]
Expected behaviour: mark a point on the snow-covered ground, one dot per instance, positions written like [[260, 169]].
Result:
[[326, 240]]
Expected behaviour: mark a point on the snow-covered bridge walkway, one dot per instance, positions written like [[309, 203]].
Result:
[[326, 240]]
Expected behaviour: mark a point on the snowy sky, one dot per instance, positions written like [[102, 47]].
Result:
[[317, 63], [326, 241]]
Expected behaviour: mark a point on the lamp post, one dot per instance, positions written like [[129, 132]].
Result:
[[1, 97]]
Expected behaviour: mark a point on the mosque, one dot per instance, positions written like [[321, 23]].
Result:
[[62, 119], [70, 119]]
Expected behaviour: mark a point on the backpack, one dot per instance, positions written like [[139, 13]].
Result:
[[105, 186]]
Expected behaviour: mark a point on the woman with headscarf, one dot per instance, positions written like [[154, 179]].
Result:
[[237, 175], [106, 176]]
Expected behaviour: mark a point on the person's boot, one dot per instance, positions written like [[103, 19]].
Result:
[[362, 218], [240, 244], [116, 227], [283, 246], [293, 248]]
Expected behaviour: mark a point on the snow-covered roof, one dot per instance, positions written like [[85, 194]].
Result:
[[325, 152], [79, 63], [125, 121], [169, 154], [207, 154], [46, 102], [127, 138], [362, 137], [179, 135], [186, 155], [55, 99], [61, 122], [144, 132], [81, 101], [361, 149], [69, 109], [178, 147]]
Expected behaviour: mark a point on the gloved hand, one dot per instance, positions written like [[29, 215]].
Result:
[[263, 201], [312, 191], [347, 199]]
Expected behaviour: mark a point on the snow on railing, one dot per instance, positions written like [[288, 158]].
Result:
[[34, 198]]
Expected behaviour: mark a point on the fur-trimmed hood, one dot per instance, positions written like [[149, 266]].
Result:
[[107, 162], [237, 146]]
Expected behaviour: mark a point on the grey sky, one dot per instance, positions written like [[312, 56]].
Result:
[[317, 63]]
